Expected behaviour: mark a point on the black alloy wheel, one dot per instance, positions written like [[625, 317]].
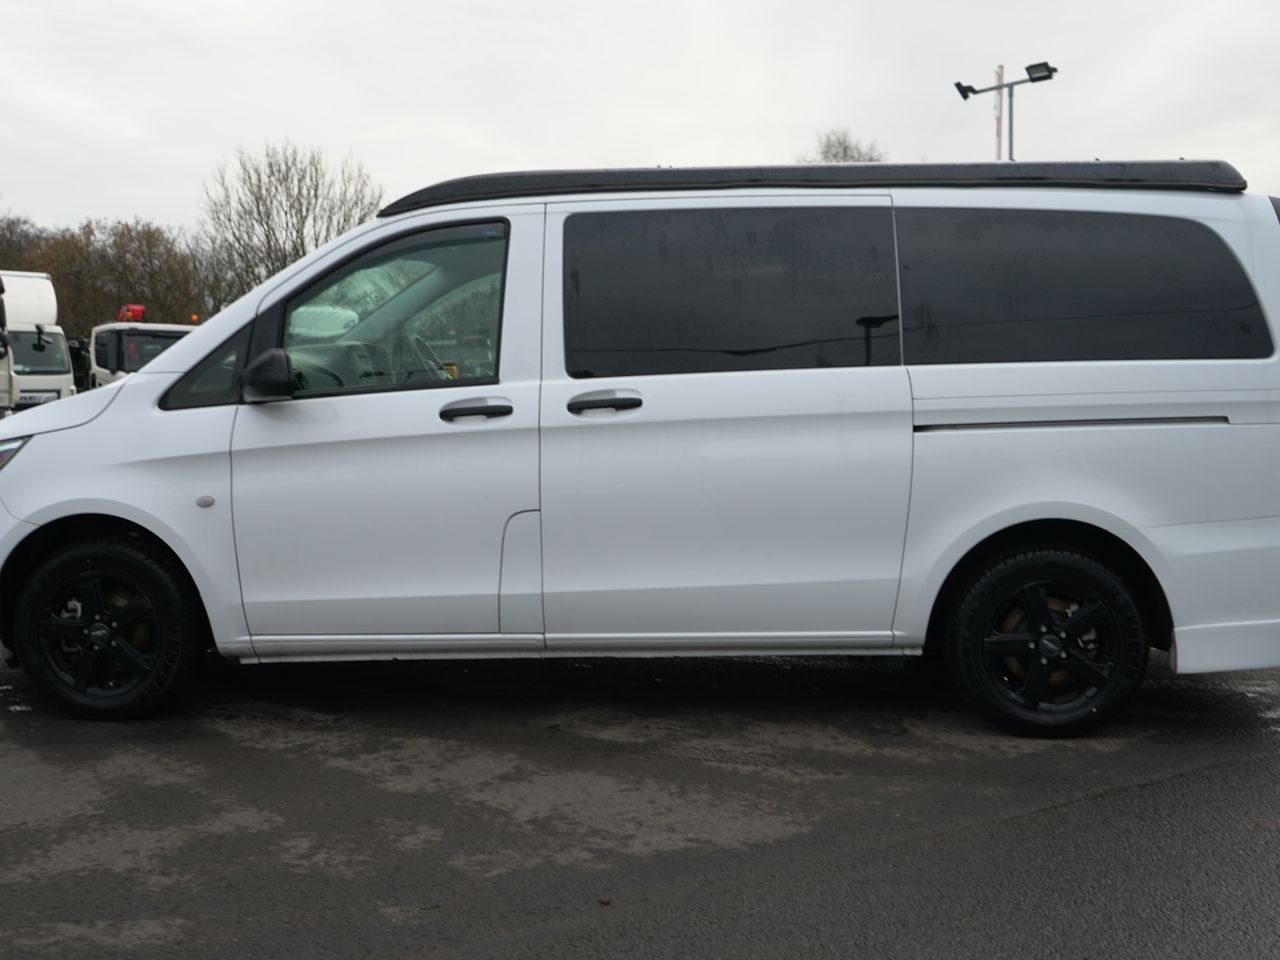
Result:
[[107, 630], [1047, 642]]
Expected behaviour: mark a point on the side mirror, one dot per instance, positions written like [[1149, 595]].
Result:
[[4, 344], [268, 377]]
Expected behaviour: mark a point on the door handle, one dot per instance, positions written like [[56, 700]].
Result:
[[475, 408], [598, 402]]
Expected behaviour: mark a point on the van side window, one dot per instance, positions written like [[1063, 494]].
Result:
[[215, 380], [1001, 286], [696, 291], [101, 350], [421, 311]]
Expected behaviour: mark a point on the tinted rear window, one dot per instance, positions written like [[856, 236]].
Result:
[[991, 286], [693, 291]]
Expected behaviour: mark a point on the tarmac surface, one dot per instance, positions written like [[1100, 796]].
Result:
[[592, 809]]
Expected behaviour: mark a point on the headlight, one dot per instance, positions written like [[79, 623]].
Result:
[[9, 449]]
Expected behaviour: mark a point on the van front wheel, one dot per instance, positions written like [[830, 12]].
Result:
[[106, 629], [1046, 642]]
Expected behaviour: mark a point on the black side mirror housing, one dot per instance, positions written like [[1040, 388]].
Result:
[[267, 377]]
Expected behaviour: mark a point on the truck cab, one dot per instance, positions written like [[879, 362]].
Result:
[[34, 360], [41, 364], [37, 365], [118, 349]]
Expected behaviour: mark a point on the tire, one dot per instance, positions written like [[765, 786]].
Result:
[[1046, 642], [107, 629]]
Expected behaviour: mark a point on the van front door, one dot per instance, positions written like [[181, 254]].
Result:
[[726, 425], [371, 508]]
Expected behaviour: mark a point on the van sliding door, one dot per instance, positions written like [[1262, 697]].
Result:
[[725, 425]]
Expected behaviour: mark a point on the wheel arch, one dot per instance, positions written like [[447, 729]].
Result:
[[1102, 544], [45, 540]]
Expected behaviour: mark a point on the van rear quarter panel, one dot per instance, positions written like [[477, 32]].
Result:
[[1198, 499]]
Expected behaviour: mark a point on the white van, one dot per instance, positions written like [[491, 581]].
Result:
[[1019, 417], [118, 349]]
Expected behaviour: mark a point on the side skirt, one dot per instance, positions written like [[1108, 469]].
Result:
[[280, 649]]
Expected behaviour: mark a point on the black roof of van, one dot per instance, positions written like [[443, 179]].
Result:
[[1206, 175]]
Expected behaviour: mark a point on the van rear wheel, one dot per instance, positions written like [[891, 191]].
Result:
[[1046, 642], [107, 630]]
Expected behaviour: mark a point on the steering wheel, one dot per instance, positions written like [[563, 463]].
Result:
[[432, 364]]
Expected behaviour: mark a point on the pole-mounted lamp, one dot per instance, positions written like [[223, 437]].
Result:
[[1036, 73]]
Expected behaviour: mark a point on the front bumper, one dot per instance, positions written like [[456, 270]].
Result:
[[34, 398]]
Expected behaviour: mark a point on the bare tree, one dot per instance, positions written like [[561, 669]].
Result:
[[101, 264], [265, 211], [837, 146], [18, 236], [211, 268]]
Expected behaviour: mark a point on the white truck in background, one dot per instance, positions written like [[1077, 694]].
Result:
[[36, 366], [118, 349]]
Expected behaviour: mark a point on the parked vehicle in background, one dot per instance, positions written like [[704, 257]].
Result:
[[119, 349], [41, 364], [37, 367], [6, 364], [78, 347], [1019, 417]]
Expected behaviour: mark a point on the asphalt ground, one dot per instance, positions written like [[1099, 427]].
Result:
[[592, 809]]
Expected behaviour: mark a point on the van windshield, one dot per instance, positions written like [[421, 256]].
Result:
[[141, 347], [39, 355]]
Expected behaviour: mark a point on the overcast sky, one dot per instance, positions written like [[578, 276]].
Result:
[[122, 108]]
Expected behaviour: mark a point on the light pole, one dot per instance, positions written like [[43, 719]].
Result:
[[1036, 72]]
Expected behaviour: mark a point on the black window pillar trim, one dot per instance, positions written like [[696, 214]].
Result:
[[268, 329]]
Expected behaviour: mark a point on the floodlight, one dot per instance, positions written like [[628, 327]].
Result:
[[1040, 71]]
